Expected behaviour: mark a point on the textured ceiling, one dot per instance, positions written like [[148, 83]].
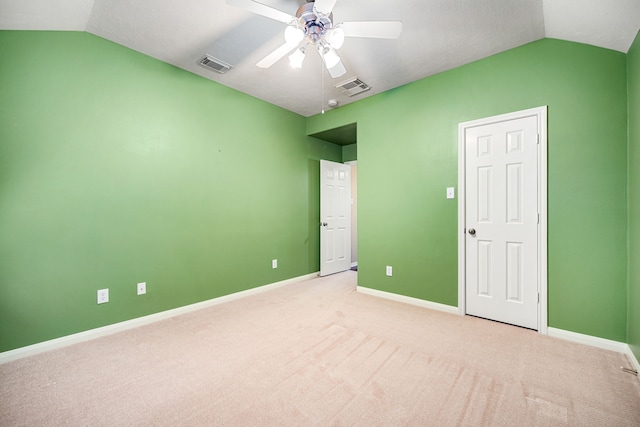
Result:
[[437, 35]]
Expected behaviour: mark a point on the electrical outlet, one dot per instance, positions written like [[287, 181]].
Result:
[[142, 288], [103, 296], [274, 263], [389, 270]]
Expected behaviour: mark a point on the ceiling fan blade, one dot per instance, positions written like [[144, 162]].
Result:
[[324, 7], [337, 70], [261, 9], [373, 29], [275, 56]]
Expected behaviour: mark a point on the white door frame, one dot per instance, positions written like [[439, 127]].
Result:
[[541, 114], [354, 216]]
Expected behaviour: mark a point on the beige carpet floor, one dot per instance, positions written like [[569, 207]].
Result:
[[318, 353]]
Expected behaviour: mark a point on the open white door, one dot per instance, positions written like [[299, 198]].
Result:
[[335, 217], [503, 240]]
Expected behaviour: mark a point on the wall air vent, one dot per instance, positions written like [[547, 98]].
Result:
[[353, 86], [214, 64]]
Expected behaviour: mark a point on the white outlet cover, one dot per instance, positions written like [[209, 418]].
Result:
[[274, 263], [142, 288], [389, 270], [103, 296]]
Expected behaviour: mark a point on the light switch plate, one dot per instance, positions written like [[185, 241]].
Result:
[[451, 193]]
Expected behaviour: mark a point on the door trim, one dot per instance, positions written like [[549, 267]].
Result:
[[541, 114], [354, 214]]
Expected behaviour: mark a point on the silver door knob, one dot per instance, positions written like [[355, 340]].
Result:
[[472, 231], [324, 224]]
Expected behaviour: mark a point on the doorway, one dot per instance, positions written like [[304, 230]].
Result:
[[346, 138], [335, 217], [502, 218]]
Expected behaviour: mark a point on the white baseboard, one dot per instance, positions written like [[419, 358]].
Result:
[[409, 300], [91, 334], [588, 340], [603, 343]]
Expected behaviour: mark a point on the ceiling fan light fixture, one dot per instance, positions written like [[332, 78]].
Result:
[[330, 57], [297, 57], [335, 37], [293, 35]]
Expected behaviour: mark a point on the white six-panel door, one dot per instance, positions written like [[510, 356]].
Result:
[[502, 214], [335, 217]]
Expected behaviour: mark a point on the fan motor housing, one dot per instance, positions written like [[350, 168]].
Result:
[[315, 26]]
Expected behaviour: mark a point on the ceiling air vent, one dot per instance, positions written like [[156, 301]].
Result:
[[214, 64], [353, 86]]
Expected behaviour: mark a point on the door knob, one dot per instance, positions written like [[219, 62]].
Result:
[[323, 224], [472, 231]]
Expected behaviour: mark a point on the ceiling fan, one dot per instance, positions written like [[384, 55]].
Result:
[[313, 26]]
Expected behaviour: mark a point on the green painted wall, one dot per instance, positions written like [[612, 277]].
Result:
[[117, 168], [633, 304], [407, 156], [350, 152]]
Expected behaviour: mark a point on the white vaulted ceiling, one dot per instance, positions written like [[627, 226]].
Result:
[[437, 35]]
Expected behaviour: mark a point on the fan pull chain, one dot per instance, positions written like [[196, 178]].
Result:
[[322, 86]]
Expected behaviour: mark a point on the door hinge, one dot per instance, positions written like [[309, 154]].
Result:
[[538, 218], [538, 139], [538, 297]]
